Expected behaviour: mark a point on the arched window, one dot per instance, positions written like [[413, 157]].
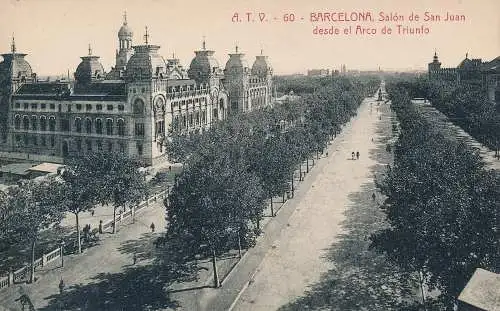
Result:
[[109, 126], [26, 122], [88, 126], [43, 123], [52, 124], [98, 126], [78, 125], [138, 106], [17, 122], [33, 123], [121, 127]]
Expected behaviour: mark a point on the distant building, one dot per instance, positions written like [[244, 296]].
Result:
[[482, 292], [129, 109], [318, 72], [469, 70]]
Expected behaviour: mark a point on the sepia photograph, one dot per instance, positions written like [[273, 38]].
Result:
[[249, 155]]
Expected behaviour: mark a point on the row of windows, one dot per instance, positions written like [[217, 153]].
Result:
[[35, 124], [33, 140], [194, 119], [80, 145], [79, 107]]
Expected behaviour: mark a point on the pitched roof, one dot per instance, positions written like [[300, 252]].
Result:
[[482, 290]]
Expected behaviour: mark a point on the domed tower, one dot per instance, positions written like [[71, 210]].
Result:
[[262, 70], [204, 68], [14, 71], [146, 63], [435, 66], [261, 67], [125, 50], [89, 70], [236, 80]]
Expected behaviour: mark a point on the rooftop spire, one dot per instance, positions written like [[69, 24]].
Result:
[[146, 36], [467, 55], [13, 45], [203, 44], [125, 18], [90, 50], [236, 48]]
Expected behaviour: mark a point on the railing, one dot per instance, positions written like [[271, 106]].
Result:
[[21, 274]]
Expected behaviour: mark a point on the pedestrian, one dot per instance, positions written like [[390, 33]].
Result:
[[92, 212], [152, 227], [373, 196], [357, 155], [100, 226], [61, 286], [352, 155], [327, 153], [134, 258]]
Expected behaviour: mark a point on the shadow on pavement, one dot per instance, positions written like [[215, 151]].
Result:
[[138, 288], [361, 278]]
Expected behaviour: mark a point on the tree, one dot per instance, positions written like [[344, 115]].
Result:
[[30, 208], [80, 191], [116, 179]]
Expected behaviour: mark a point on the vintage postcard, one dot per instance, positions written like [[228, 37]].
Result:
[[249, 155]]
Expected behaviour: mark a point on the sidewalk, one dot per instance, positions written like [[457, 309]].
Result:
[[112, 255], [250, 265]]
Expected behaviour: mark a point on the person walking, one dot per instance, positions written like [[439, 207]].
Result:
[[357, 155], [61, 286], [373, 196], [352, 155], [152, 227]]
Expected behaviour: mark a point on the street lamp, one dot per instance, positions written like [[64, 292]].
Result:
[[62, 253]]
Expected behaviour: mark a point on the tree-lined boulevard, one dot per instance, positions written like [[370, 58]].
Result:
[[273, 210]]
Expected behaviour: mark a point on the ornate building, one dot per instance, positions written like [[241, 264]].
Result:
[[469, 70], [130, 109]]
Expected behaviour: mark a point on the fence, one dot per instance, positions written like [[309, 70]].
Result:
[[22, 273]]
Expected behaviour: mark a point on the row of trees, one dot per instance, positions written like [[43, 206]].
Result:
[[231, 169], [466, 105], [36, 205], [442, 206]]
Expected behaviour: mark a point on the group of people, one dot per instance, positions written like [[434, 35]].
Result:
[[355, 156]]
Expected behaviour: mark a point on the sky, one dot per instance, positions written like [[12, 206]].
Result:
[[56, 33]]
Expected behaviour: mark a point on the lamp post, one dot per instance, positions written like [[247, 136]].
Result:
[[62, 253]]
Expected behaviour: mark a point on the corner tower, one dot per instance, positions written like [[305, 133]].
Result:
[[125, 51]]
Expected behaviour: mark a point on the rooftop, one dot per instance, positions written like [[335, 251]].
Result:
[[482, 290]]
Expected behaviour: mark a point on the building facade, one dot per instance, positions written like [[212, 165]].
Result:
[[470, 70], [130, 109]]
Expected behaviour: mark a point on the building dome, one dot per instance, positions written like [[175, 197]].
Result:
[[203, 65], [20, 67], [146, 63], [89, 69], [236, 63], [261, 66], [125, 31]]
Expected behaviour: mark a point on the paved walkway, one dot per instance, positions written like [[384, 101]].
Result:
[[453, 130], [108, 257], [288, 256], [297, 257]]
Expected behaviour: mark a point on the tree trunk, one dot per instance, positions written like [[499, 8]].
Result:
[[114, 219], [78, 237], [293, 188], [283, 197], [272, 208], [239, 244], [214, 266], [307, 165], [32, 276]]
